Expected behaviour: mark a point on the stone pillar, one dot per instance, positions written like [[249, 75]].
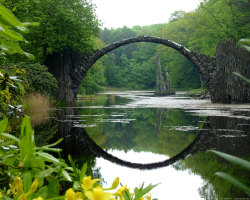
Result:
[[227, 87], [160, 84]]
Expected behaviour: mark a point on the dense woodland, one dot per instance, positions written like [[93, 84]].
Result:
[[65, 24]]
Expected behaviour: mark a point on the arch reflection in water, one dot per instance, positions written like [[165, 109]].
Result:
[[226, 134]]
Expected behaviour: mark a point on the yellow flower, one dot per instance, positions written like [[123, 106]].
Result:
[[39, 198], [114, 185], [34, 186], [22, 197], [71, 195], [87, 182], [119, 193], [98, 194], [148, 197], [141, 198], [16, 187]]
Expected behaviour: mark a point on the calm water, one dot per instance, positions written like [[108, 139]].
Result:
[[142, 138]]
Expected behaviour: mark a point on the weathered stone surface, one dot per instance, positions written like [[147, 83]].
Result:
[[227, 87], [160, 83]]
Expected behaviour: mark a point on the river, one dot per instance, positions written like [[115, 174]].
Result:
[[146, 139]]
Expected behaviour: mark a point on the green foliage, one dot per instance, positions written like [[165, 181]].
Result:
[[38, 79], [9, 38], [238, 161], [199, 30], [33, 172], [62, 24]]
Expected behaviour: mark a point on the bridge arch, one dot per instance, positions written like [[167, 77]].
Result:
[[203, 63], [70, 68]]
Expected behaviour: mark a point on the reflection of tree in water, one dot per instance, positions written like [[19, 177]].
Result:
[[159, 113], [229, 135]]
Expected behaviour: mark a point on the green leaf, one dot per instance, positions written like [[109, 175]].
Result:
[[76, 171], [27, 143], [233, 159], [3, 125], [54, 144], [83, 170], [49, 157], [10, 34], [31, 23], [49, 149], [234, 181], [142, 191], [9, 136], [43, 192], [26, 127], [7, 18], [45, 173], [27, 181], [76, 185], [127, 195], [10, 47], [53, 188], [66, 175], [242, 77]]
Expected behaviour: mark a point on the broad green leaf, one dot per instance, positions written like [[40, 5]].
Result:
[[53, 190], [49, 157], [3, 125], [7, 18], [234, 181], [233, 159], [27, 143], [10, 47], [26, 127], [66, 175], [10, 34], [27, 181], [9, 136]]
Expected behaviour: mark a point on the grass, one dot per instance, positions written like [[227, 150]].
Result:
[[37, 107]]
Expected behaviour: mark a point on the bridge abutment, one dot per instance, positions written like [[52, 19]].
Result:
[[226, 86]]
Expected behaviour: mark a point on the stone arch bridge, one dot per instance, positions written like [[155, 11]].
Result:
[[69, 69]]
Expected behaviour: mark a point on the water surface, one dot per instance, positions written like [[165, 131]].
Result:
[[135, 128]]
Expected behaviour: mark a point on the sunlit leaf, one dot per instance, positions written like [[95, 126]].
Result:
[[3, 125], [7, 18], [49, 157], [66, 175], [9, 136]]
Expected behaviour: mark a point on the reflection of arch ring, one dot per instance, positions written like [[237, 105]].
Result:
[[193, 147]]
